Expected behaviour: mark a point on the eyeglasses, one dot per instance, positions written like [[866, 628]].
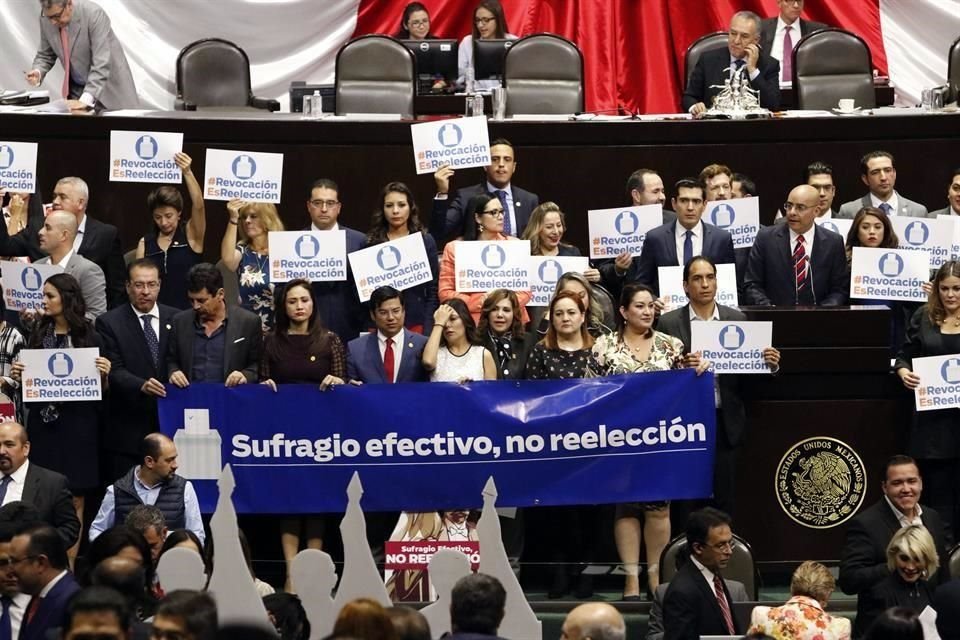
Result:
[[10, 561], [721, 546], [145, 286], [483, 21], [799, 208], [496, 213], [56, 16], [324, 204], [418, 23]]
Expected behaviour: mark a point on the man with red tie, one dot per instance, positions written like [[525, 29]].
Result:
[[96, 73], [392, 353], [39, 561]]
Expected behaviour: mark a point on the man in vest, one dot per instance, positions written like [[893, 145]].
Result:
[[154, 481]]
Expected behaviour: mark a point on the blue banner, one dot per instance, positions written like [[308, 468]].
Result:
[[425, 446]]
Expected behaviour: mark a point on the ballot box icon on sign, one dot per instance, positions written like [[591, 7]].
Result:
[[244, 167], [626, 223], [493, 257], [30, 278], [450, 135], [722, 216], [951, 371], [6, 156], [60, 365], [198, 447], [731, 337], [550, 272], [146, 148], [388, 258], [891, 265], [917, 233]]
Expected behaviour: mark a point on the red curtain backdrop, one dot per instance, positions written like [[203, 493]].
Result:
[[633, 49]]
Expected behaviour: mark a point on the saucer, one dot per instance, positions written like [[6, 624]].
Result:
[[839, 112]]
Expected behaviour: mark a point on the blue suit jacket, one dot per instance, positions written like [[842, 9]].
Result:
[[446, 223], [660, 250], [770, 278], [339, 304], [365, 364], [51, 611]]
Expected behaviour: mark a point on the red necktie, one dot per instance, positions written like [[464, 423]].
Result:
[[32, 608], [724, 605], [388, 360], [787, 55], [800, 264], [66, 62]]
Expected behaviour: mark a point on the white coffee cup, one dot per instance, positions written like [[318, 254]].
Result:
[[845, 104]]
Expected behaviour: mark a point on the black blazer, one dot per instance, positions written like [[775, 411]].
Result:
[[660, 250], [768, 31], [677, 324], [690, 607], [338, 303], [49, 492], [244, 337], [710, 71], [863, 561], [133, 414], [101, 245], [933, 433], [51, 611], [446, 223], [770, 278]]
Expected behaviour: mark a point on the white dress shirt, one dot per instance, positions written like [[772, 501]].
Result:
[[696, 239], [50, 585], [894, 203], [715, 316], [77, 241], [808, 236], [397, 350], [63, 261], [708, 576], [335, 227], [776, 48], [733, 67], [902, 518], [18, 609], [509, 211], [15, 488], [154, 319]]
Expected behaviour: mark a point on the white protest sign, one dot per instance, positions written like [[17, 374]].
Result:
[[23, 283], [671, 286], [145, 156], [888, 274], [939, 382], [485, 265], [461, 143], [60, 375], [930, 235], [318, 256], [955, 247], [546, 270], [837, 225], [400, 264], [740, 217], [613, 231], [248, 175], [18, 167], [732, 347]]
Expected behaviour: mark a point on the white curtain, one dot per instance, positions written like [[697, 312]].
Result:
[[916, 36], [286, 40]]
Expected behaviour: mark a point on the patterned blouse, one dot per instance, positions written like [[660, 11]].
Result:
[[800, 618], [612, 356], [256, 292], [555, 364]]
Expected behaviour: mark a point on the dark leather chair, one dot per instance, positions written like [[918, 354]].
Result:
[[216, 73], [701, 45], [543, 73], [953, 71], [954, 561], [740, 568], [375, 74], [829, 65]]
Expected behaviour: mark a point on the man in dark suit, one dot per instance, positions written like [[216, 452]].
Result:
[[477, 606], [205, 345], [102, 612], [700, 285], [743, 50], [678, 242], [863, 561], [697, 602], [779, 35], [367, 356], [446, 222], [40, 563], [798, 263], [338, 302], [738, 593], [96, 241], [135, 338], [953, 197], [47, 491]]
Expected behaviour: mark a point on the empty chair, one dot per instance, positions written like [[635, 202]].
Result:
[[543, 73], [216, 73], [701, 45], [740, 568], [375, 74], [953, 70], [829, 65]]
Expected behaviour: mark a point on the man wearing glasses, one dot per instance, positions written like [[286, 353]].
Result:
[[779, 35], [135, 337], [15, 601], [742, 52], [39, 561], [96, 73], [797, 263]]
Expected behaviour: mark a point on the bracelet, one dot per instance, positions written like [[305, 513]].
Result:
[[438, 325], [232, 221]]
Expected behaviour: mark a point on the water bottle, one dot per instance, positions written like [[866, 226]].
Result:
[[477, 104], [470, 85], [317, 100]]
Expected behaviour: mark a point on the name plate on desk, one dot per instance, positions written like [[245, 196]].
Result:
[[888, 274], [740, 217], [939, 382], [732, 347], [60, 375], [930, 235], [145, 156], [400, 264], [18, 166], [546, 271], [674, 297], [483, 265], [318, 256], [248, 175], [461, 143], [613, 231]]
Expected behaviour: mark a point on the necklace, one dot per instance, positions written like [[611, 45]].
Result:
[[639, 347]]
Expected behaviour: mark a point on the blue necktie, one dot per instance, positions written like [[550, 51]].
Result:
[[886, 208], [687, 248], [6, 633], [502, 197], [4, 483], [152, 342]]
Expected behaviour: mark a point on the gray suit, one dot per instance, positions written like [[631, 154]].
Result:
[[93, 285], [98, 65], [946, 211], [738, 593], [907, 208]]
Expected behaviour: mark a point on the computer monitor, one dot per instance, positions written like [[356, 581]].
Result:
[[488, 58], [435, 59]]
